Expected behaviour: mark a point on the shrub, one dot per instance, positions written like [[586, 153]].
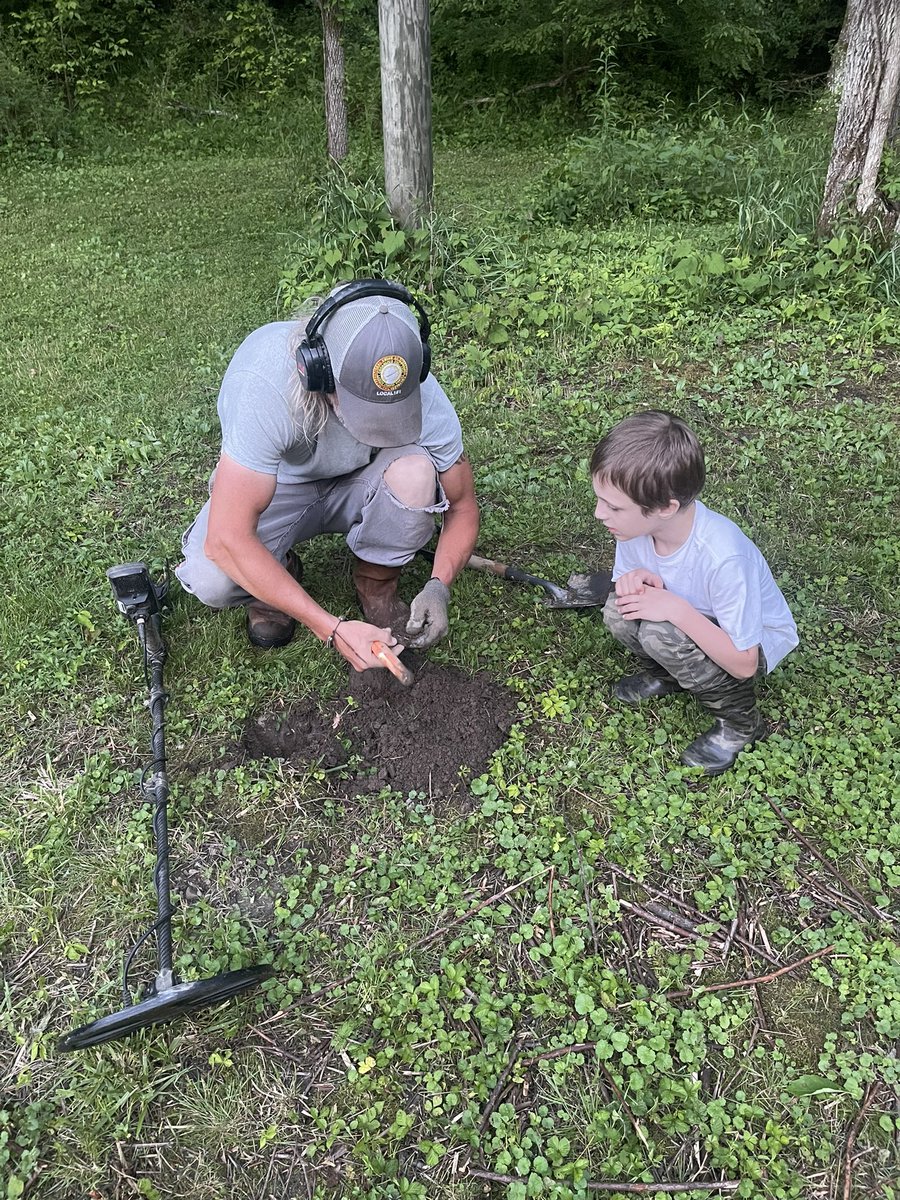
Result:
[[700, 169], [29, 113]]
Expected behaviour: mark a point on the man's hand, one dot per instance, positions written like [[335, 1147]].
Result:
[[428, 621], [353, 639], [635, 581]]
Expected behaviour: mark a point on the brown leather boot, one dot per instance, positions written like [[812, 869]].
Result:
[[376, 588], [267, 627]]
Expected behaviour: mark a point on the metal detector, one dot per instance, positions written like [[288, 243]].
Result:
[[138, 598]]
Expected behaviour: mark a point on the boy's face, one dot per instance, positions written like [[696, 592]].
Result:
[[623, 517]]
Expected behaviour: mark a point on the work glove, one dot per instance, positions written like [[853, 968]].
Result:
[[428, 621]]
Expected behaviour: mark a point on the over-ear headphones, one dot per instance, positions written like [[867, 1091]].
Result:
[[313, 362]]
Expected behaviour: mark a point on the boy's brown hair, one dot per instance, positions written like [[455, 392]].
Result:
[[653, 457]]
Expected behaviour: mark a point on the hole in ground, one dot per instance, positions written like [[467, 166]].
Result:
[[414, 739]]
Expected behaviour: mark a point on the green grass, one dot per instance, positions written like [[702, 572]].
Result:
[[126, 285]]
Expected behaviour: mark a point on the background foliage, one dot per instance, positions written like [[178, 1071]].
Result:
[[59, 58]]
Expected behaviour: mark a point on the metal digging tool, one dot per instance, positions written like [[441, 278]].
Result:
[[138, 599], [581, 590]]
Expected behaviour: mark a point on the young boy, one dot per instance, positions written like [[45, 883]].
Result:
[[694, 599]]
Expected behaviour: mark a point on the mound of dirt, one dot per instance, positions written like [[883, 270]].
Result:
[[409, 739]]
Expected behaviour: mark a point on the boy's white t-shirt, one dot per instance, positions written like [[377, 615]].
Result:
[[723, 575]]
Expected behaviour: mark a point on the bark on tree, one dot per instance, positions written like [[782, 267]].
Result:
[[870, 83], [335, 93], [405, 39], [839, 57]]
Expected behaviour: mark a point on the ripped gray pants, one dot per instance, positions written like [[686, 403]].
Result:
[[379, 527]]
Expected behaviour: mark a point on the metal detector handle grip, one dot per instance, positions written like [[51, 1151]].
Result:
[[390, 660]]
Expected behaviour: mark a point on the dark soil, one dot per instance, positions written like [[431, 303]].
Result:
[[415, 739]]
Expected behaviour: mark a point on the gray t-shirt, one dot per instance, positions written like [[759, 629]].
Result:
[[261, 432], [723, 575]]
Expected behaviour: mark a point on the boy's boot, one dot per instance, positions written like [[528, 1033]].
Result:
[[652, 680], [647, 684], [267, 627], [738, 724], [376, 589]]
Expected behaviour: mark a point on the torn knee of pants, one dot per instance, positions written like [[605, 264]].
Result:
[[441, 503]]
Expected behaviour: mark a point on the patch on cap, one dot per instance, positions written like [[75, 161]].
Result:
[[390, 373]]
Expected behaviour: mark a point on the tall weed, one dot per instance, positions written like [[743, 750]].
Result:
[[694, 167]]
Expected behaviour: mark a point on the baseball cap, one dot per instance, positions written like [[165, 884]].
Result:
[[375, 348]]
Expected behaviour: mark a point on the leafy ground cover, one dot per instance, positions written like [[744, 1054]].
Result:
[[541, 981]]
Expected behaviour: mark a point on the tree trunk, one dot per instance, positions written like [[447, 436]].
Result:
[[335, 94], [405, 39], [870, 85], [839, 57]]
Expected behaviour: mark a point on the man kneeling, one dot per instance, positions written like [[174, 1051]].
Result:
[[335, 425]]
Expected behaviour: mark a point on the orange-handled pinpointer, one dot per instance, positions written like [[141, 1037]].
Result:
[[393, 663]]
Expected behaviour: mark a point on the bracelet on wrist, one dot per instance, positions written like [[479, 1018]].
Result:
[[329, 641]]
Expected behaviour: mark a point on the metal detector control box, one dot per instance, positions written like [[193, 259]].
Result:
[[133, 589]]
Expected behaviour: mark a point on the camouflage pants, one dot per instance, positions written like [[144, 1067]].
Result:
[[666, 652]]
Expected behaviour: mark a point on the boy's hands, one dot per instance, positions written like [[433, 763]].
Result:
[[635, 581], [641, 596]]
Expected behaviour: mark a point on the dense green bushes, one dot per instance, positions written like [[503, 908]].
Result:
[[73, 56], [694, 165]]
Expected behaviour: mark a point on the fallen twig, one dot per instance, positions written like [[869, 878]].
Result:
[[696, 1185], [500, 1084], [575, 1048], [660, 921], [868, 1097], [550, 902], [730, 938], [584, 889], [695, 913], [430, 937], [722, 987], [828, 864]]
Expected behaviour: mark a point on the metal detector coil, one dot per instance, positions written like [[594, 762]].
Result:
[[138, 598]]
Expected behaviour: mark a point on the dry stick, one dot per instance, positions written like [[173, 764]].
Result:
[[827, 864], [852, 1132], [641, 1136], [725, 1185], [730, 938], [829, 894], [495, 1095], [660, 910], [695, 912], [656, 920], [721, 987], [575, 1048], [430, 937], [584, 889]]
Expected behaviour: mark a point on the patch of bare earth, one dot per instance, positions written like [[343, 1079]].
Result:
[[424, 738]]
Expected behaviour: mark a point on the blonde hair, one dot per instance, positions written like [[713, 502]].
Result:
[[309, 408]]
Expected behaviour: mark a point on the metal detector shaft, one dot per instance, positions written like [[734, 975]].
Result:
[[157, 789], [137, 598]]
